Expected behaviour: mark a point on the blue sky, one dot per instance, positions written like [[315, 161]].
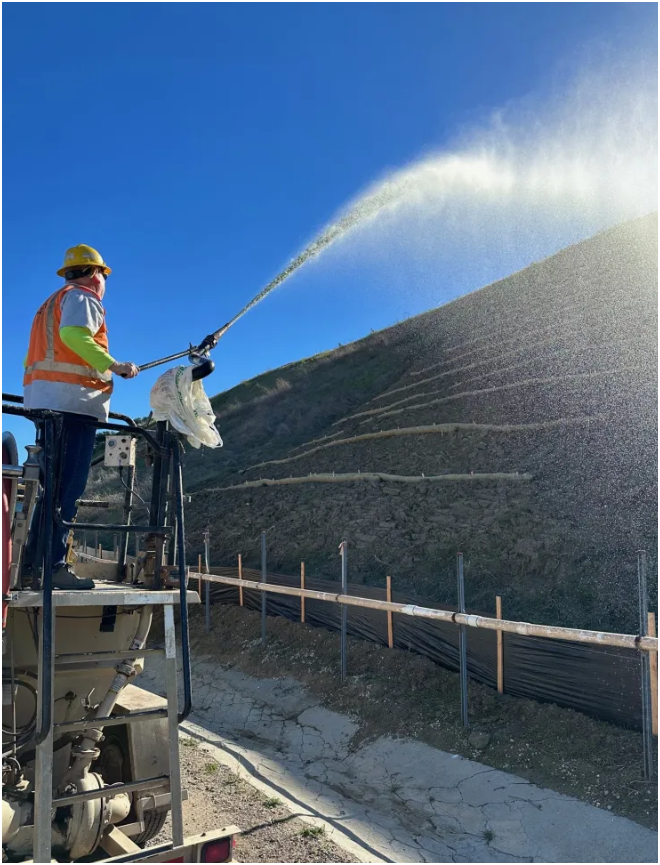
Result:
[[200, 146]]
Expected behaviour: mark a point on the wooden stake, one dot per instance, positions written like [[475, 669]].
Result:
[[390, 630], [500, 654], [302, 586], [240, 577], [653, 664], [199, 571]]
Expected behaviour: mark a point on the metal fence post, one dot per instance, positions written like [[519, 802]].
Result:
[[390, 622], [207, 569], [645, 664], [500, 647], [462, 641], [264, 597], [343, 547]]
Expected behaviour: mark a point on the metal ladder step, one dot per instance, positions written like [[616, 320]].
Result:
[[166, 531], [111, 790], [76, 657], [111, 720]]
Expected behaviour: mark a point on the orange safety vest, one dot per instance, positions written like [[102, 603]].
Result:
[[49, 359]]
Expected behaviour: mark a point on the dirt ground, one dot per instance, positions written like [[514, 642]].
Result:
[[269, 831], [393, 692]]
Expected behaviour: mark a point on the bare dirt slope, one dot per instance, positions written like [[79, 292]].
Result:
[[533, 403], [550, 372]]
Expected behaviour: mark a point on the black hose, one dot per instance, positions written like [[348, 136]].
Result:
[[183, 588], [126, 418], [203, 369], [13, 397], [26, 731]]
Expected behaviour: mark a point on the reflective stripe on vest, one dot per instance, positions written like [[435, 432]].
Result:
[[49, 369], [70, 368]]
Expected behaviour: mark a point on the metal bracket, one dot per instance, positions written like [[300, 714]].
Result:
[[155, 802]]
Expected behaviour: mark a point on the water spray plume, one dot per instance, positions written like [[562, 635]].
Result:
[[585, 160], [536, 175]]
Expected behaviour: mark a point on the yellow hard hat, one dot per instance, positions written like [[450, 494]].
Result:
[[82, 256]]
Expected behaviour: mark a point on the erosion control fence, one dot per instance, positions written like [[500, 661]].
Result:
[[602, 681]]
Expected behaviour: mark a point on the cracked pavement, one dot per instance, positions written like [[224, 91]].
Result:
[[399, 800]]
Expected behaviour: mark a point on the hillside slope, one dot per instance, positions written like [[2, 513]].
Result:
[[536, 395]]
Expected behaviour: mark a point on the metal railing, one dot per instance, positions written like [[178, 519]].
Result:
[[167, 458]]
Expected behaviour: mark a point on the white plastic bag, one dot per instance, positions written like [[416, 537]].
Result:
[[175, 397]]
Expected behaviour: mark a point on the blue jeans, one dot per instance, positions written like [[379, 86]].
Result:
[[72, 471], [77, 449]]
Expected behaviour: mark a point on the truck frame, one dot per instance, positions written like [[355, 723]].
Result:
[[90, 761]]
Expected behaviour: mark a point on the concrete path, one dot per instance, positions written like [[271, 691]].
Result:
[[395, 800]]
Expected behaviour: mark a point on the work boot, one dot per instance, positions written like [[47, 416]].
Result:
[[66, 578]]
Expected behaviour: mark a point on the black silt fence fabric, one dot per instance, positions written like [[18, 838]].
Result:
[[601, 681]]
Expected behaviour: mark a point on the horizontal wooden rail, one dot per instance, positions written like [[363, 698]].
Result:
[[576, 635]]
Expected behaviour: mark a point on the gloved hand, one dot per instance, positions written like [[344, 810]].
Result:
[[125, 370]]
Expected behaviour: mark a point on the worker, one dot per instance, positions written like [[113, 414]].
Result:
[[68, 369]]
